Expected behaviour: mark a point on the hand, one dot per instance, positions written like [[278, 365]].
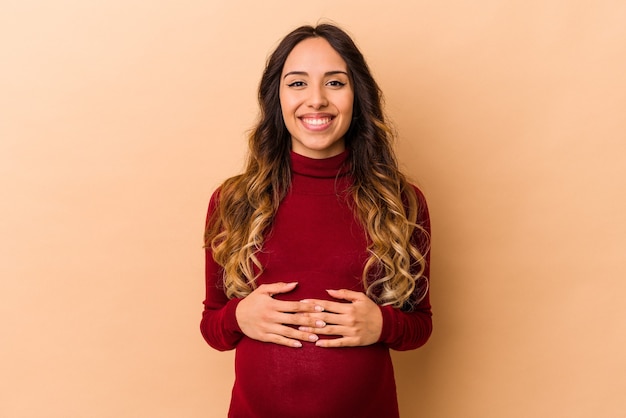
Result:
[[358, 323], [263, 318]]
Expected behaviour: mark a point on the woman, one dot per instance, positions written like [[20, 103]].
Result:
[[317, 255]]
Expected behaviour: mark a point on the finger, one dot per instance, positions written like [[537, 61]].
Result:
[[274, 288], [294, 307], [280, 340], [346, 294], [313, 327], [337, 330], [320, 305], [337, 342], [289, 335], [330, 317], [300, 320], [314, 304]]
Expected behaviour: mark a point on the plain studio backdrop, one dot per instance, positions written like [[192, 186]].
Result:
[[118, 118]]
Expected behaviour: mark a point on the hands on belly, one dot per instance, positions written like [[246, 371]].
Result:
[[263, 318], [356, 323]]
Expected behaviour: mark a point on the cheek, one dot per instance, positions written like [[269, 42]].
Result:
[[283, 97], [348, 106], [347, 102], [287, 106], [287, 98], [287, 112]]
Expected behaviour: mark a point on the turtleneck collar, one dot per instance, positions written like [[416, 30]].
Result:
[[320, 168]]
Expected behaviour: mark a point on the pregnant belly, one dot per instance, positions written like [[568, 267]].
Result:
[[276, 381]]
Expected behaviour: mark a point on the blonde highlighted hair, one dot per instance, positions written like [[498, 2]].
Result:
[[384, 202]]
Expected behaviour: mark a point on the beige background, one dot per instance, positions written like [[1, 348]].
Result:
[[119, 117]]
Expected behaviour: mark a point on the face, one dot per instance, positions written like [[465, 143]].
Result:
[[316, 98]]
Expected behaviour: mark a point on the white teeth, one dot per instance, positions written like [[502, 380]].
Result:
[[322, 121]]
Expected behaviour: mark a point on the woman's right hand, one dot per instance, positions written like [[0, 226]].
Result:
[[263, 318]]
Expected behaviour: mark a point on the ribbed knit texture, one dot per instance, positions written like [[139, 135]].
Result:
[[315, 241]]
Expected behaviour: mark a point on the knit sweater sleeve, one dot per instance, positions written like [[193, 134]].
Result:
[[407, 330], [219, 325]]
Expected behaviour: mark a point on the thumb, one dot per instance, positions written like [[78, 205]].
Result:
[[345, 294], [280, 287]]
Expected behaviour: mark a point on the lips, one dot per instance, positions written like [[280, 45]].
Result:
[[316, 122]]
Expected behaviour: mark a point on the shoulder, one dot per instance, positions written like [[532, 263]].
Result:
[[215, 199], [225, 191], [413, 191], [422, 215], [213, 207], [421, 198]]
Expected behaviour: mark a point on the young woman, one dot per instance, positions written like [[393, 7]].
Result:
[[317, 255]]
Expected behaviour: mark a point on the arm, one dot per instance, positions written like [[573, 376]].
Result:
[[361, 322], [219, 325], [408, 330]]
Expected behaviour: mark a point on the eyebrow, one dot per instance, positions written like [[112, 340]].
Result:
[[326, 74]]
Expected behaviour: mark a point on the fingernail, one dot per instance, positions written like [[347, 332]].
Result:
[[304, 301], [304, 329], [297, 344], [320, 324], [318, 308], [313, 337]]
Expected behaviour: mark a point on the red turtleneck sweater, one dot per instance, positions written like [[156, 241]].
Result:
[[317, 241]]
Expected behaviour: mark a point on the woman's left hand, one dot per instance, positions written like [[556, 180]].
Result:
[[357, 323]]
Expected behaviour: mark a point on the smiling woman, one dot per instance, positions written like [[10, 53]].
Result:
[[317, 256], [316, 98]]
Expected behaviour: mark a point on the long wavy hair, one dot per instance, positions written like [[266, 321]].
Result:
[[384, 202]]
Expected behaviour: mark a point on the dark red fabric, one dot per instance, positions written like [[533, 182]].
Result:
[[317, 242]]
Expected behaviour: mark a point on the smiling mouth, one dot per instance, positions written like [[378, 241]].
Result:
[[317, 121]]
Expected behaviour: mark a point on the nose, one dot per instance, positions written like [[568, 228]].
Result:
[[317, 98]]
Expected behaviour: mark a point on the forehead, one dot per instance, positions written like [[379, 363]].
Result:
[[314, 54]]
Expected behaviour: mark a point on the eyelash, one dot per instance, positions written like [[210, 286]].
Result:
[[333, 83]]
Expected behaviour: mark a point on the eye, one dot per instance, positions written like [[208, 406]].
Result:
[[296, 84], [335, 83]]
